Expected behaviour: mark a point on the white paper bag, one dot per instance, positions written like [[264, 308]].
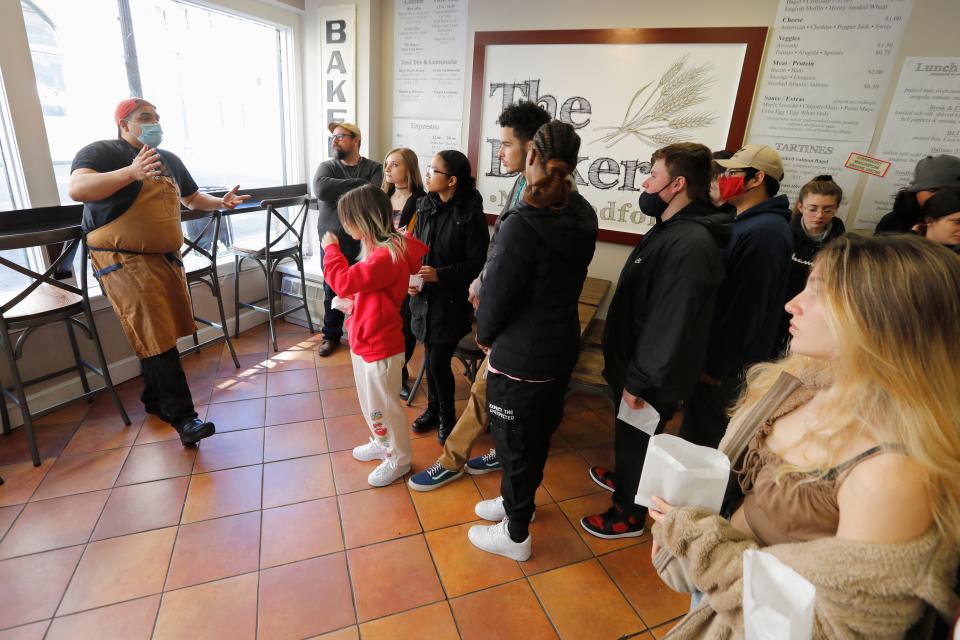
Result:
[[682, 473], [416, 281], [777, 601], [344, 305], [646, 418]]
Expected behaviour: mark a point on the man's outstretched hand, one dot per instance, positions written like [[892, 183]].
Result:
[[231, 199]]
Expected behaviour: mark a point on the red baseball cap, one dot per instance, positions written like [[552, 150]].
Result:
[[128, 106]]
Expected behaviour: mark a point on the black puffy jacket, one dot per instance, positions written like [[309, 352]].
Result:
[[455, 233], [757, 263], [528, 311], [655, 336]]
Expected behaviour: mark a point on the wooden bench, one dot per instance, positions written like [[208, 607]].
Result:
[[587, 375]]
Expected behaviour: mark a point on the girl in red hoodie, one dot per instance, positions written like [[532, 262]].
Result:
[[376, 286]]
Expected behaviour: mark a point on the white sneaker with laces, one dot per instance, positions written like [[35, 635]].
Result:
[[495, 538], [369, 451], [386, 472], [493, 510]]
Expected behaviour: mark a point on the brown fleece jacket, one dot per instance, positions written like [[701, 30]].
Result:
[[864, 590]]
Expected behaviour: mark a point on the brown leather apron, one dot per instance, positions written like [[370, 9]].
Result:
[[137, 260]]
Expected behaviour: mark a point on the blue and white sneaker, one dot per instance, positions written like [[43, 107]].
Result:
[[432, 477], [483, 464]]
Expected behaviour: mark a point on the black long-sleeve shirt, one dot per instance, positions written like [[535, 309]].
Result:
[[333, 179]]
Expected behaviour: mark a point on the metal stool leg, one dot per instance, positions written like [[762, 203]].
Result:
[[237, 263], [271, 300], [102, 362], [196, 338], [417, 383], [21, 396], [303, 292], [4, 414], [215, 282], [82, 370]]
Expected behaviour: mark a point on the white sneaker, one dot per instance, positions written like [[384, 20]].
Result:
[[369, 451], [496, 539], [493, 510], [386, 472]]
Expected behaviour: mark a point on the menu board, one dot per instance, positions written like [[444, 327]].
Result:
[[429, 58], [826, 75], [923, 120], [828, 68], [804, 160], [426, 137]]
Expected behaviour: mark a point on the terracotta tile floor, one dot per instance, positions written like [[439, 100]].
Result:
[[269, 529]]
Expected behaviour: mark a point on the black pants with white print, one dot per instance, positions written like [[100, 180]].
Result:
[[523, 416]]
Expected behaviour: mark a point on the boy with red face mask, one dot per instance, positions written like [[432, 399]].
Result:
[[750, 301]]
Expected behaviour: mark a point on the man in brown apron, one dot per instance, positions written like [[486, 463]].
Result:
[[132, 194]]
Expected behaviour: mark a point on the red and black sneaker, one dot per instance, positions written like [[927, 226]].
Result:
[[613, 524], [604, 477]]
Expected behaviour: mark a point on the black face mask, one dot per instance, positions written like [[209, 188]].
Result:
[[652, 204]]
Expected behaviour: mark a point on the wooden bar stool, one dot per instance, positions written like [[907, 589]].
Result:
[[200, 265], [44, 301], [268, 251]]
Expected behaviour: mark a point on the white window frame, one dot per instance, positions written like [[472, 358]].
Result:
[[289, 24], [13, 168]]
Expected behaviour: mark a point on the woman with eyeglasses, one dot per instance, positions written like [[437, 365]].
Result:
[[404, 186], [451, 223]]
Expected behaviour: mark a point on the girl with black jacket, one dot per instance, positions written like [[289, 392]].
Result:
[[451, 223], [528, 324], [404, 186]]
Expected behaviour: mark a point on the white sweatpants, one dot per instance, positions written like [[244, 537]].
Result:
[[378, 388]]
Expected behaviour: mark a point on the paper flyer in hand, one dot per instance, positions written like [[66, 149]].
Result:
[[777, 601], [682, 473], [646, 418]]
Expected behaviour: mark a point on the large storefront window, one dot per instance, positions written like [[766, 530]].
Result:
[[215, 79]]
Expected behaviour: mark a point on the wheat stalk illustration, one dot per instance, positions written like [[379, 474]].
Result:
[[665, 116]]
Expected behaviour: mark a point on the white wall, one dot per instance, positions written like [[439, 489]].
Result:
[[931, 32]]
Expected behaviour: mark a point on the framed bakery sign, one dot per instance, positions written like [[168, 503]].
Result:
[[628, 92]]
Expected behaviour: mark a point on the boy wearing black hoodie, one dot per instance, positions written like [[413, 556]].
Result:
[[750, 302], [656, 331]]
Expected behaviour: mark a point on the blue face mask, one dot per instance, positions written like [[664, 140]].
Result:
[[151, 135]]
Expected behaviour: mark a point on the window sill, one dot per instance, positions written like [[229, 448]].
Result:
[[312, 268]]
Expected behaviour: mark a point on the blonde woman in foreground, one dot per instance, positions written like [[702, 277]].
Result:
[[853, 475]]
